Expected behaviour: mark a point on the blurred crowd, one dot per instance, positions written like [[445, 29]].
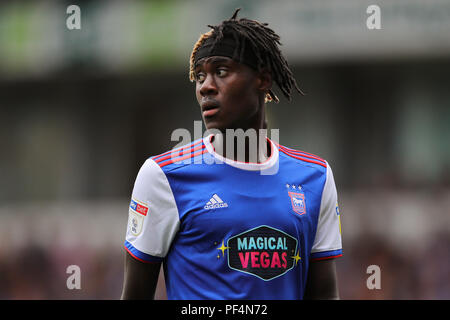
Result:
[[34, 272], [420, 272]]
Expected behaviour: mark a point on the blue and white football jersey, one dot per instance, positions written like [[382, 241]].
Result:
[[233, 230]]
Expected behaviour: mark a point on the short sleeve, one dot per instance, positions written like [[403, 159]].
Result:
[[153, 218], [328, 240]]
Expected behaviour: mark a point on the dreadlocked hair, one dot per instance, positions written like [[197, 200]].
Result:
[[263, 41]]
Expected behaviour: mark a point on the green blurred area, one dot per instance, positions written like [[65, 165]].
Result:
[[130, 36]]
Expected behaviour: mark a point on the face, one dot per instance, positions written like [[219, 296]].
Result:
[[229, 94]]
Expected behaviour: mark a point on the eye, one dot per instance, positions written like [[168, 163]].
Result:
[[200, 77], [221, 72]]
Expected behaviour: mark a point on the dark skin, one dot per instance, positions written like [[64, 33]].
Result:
[[237, 92], [322, 283], [235, 89], [140, 279]]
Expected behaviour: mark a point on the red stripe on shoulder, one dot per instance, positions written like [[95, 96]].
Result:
[[176, 159], [179, 153], [303, 153], [304, 156]]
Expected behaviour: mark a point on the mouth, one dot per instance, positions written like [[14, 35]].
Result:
[[209, 108]]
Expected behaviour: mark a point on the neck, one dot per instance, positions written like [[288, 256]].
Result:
[[250, 146]]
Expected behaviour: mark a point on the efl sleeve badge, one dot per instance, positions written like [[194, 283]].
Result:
[[137, 213]]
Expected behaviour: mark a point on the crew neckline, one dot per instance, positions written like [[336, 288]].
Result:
[[250, 166]]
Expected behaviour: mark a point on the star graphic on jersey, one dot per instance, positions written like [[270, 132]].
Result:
[[296, 257], [293, 186], [223, 248]]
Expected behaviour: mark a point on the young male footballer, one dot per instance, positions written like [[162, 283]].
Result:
[[226, 226]]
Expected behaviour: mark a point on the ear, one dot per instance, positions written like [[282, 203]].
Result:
[[264, 80]]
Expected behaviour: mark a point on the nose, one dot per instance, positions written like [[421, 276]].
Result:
[[208, 87]]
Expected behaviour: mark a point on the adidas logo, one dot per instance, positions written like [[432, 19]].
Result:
[[215, 202]]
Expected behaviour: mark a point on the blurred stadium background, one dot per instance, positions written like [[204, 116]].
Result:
[[81, 110]]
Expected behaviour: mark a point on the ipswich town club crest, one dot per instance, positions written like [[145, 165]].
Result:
[[298, 202]]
